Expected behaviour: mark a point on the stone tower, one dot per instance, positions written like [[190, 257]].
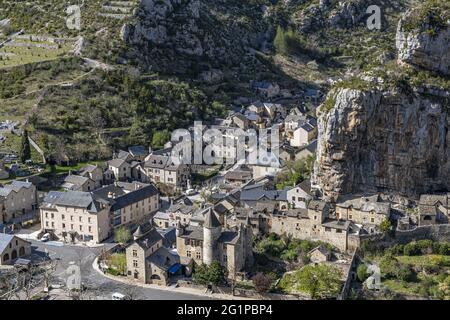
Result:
[[211, 232]]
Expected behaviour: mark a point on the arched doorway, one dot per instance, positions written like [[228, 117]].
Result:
[[14, 254], [21, 251], [155, 277], [427, 218]]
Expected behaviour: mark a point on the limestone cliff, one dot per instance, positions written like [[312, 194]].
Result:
[[395, 139], [176, 35]]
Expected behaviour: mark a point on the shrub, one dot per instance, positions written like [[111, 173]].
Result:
[[261, 282], [362, 273], [411, 249]]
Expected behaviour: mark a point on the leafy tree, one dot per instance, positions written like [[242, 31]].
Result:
[[295, 172], [25, 149], [320, 281], [385, 225], [212, 274], [261, 282], [122, 235], [160, 138]]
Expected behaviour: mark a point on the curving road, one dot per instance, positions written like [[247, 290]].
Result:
[[98, 286]]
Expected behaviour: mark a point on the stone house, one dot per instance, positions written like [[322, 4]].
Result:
[[319, 254], [307, 151], [78, 183], [120, 168], [253, 195], [365, 210], [161, 169], [208, 243], [239, 176], [148, 260], [300, 195], [16, 200], [259, 218], [266, 89], [304, 134], [94, 173], [162, 220], [437, 206], [12, 248]]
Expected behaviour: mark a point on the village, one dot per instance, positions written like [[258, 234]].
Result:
[[238, 229]]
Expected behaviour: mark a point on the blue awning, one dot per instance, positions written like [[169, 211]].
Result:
[[173, 269]]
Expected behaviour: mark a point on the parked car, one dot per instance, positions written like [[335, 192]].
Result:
[[45, 237], [191, 192], [119, 296]]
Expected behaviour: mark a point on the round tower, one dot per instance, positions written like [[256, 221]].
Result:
[[211, 232]]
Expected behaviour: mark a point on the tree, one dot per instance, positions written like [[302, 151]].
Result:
[[385, 225], [119, 262], [261, 282], [212, 274], [160, 138], [122, 235], [25, 149], [216, 273], [280, 41], [320, 281], [362, 273]]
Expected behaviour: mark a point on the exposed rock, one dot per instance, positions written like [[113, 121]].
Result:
[[174, 35], [424, 47], [383, 141], [79, 46]]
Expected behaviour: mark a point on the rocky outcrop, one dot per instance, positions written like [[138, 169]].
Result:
[[175, 35], [383, 141], [424, 46], [395, 138]]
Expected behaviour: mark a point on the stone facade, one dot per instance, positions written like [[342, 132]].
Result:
[[16, 199], [12, 247]]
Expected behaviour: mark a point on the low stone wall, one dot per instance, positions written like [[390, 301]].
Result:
[[437, 232], [243, 293], [348, 278]]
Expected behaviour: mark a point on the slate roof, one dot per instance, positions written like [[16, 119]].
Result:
[[15, 186], [76, 180], [228, 237], [321, 249], [159, 258], [211, 220], [149, 239], [78, 199], [239, 175], [169, 235], [193, 232], [433, 199], [88, 168], [134, 196], [337, 224], [161, 215], [123, 155], [366, 204], [138, 151], [255, 194], [116, 163], [317, 205], [5, 239]]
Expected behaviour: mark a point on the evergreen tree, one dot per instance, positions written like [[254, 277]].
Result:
[[25, 150]]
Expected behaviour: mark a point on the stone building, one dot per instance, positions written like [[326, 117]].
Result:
[[434, 208], [78, 183], [148, 260], [93, 216], [367, 211], [12, 248], [208, 243], [94, 173], [16, 200], [161, 169]]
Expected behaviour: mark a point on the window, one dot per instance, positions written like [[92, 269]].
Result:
[[338, 231], [81, 227], [64, 225], [71, 227], [89, 220], [350, 216], [372, 220], [63, 217], [46, 223], [79, 219], [188, 253], [90, 229], [46, 214], [53, 215], [53, 224], [327, 229], [198, 255], [135, 263], [134, 253], [71, 218]]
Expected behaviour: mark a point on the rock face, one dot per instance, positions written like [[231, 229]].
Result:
[[175, 35], [391, 140], [422, 48], [383, 141]]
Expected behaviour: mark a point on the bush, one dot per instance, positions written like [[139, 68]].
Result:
[[411, 249], [261, 282], [362, 273], [212, 274]]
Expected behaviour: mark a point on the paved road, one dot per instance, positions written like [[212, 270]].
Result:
[[99, 286]]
